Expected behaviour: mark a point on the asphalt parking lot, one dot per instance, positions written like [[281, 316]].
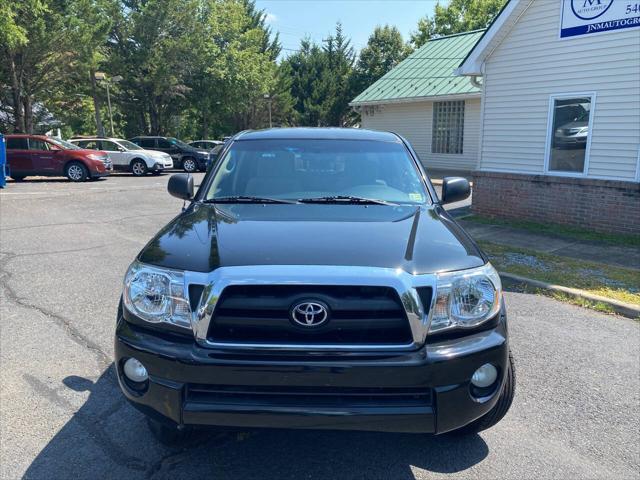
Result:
[[64, 250]]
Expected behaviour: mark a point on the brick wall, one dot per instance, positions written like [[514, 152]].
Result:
[[602, 205]]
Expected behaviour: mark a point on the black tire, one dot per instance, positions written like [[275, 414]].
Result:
[[156, 172], [500, 409], [167, 434], [18, 178], [138, 168], [189, 165], [76, 172]]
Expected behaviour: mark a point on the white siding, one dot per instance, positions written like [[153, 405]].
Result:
[[414, 122], [531, 64]]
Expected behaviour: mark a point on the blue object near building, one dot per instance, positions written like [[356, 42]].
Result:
[[4, 169]]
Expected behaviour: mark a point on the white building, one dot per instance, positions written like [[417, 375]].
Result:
[[422, 100], [560, 115]]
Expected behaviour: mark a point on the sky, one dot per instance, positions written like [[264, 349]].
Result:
[[295, 19]]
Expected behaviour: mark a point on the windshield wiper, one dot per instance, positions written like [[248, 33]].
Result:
[[345, 199], [246, 199]]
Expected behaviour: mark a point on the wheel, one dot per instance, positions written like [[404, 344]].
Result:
[[500, 409], [138, 168], [156, 172], [189, 165], [18, 178], [167, 434], [76, 172]]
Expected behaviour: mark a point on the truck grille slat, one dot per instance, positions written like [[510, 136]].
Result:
[[306, 396], [261, 313]]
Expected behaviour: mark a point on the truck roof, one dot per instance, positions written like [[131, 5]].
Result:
[[313, 133]]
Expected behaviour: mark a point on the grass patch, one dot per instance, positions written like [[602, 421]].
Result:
[[607, 281], [582, 302], [556, 230]]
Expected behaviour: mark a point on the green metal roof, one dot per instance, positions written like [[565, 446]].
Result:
[[427, 72]]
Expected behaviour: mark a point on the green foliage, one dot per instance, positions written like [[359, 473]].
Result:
[[189, 68], [41, 57], [12, 34], [599, 279], [384, 50], [456, 17], [321, 80]]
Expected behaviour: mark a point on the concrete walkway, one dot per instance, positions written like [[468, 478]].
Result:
[[617, 255]]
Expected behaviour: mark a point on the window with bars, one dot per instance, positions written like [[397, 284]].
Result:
[[448, 127]]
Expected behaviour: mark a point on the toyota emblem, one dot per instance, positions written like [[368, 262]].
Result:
[[310, 313]]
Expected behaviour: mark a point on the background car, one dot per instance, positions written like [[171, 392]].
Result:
[[574, 133], [571, 125], [128, 156], [184, 156], [30, 155], [205, 144]]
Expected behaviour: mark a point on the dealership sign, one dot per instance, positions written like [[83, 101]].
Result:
[[582, 17]]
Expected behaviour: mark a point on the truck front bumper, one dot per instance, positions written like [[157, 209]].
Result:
[[422, 391]]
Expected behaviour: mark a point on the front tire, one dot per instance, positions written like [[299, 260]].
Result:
[[18, 178], [168, 435], [76, 172], [138, 168], [189, 165], [500, 409]]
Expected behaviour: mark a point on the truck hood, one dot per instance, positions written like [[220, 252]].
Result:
[[415, 239]]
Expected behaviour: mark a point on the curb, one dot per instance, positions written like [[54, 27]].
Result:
[[621, 308]]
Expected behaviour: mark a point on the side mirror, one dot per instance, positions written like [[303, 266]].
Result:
[[181, 186], [455, 189]]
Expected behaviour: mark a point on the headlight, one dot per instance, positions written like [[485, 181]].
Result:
[[157, 295], [466, 298], [101, 158]]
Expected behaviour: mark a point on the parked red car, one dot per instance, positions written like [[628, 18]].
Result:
[[29, 155]]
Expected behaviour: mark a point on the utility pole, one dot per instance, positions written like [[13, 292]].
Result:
[[103, 78], [268, 99], [96, 103]]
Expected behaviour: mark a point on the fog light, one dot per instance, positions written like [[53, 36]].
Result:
[[135, 371], [485, 376]]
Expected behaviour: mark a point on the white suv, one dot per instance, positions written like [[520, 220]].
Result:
[[128, 156]]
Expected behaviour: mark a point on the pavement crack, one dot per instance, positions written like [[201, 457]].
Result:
[[65, 324]]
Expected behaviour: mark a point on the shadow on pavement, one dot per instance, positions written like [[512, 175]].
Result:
[[107, 438], [37, 179]]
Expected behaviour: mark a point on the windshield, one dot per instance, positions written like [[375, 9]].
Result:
[[314, 169], [180, 143], [64, 144], [130, 145]]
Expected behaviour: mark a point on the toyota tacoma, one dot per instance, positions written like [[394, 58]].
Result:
[[314, 280]]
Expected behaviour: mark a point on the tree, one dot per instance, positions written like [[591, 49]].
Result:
[[151, 46], [321, 80], [384, 50], [458, 16], [341, 58], [243, 70], [38, 54]]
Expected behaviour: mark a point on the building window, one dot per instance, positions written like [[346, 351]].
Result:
[[570, 122], [448, 127]]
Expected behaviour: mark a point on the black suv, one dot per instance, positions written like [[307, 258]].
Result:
[[314, 281], [184, 156]]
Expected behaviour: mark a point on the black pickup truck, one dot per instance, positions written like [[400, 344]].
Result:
[[314, 281]]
